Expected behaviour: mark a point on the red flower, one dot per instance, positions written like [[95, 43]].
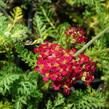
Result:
[[89, 79], [56, 85], [83, 59], [64, 73], [77, 69], [81, 31], [93, 67], [45, 79], [61, 67], [77, 34], [35, 50], [53, 76], [88, 67], [81, 39]]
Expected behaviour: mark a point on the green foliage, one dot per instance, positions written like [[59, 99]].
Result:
[[88, 99], [22, 86], [7, 78], [11, 31], [94, 14], [17, 31], [42, 30], [27, 56], [100, 54], [78, 100], [27, 91], [45, 27], [44, 24], [3, 26], [62, 39], [97, 16], [2, 3], [16, 15], [6, 105], [59, 101], [84, 2]]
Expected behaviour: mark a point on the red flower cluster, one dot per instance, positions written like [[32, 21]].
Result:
[[62, 68], [77, 34]]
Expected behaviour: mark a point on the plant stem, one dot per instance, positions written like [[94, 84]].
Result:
[[14, 22], [4, 11], [91, 41], [30, 17]]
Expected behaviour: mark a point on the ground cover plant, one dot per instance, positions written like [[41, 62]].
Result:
[[54, 54]]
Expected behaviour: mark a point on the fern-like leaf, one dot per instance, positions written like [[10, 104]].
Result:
[[44, 25], [16, 15], [27, 56]]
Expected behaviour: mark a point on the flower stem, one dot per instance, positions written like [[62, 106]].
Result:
[[91, 41]]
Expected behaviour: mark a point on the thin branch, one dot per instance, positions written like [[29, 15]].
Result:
[[91, 41], [30, 17], [4, 11]]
